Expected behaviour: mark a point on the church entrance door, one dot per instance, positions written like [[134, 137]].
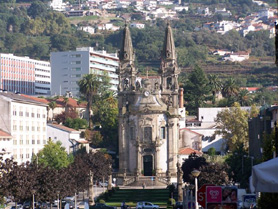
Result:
[[148, 165]]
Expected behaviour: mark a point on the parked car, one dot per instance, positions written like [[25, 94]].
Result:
[[81, 205], [102, 206], [103, 184], [146, 205], [27, 205], [19, 206]]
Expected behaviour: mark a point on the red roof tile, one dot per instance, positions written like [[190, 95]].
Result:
[[60, 101], [43, 100], [188, 151], [4, 133]]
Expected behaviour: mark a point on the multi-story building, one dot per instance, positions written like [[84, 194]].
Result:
[[24, 75], [42, 77], [24, 120], [69, 67]]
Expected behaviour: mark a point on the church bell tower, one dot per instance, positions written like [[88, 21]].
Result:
[[148, 113]]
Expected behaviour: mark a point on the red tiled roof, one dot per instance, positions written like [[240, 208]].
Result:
[[188, 151], [251, 88], [71, 103], [43, 100], [60, 101], [4, 133], [61, 127]]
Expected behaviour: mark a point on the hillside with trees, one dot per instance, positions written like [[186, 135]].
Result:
[[37, 30]]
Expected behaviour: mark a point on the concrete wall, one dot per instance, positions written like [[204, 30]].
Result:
[[66, 138]]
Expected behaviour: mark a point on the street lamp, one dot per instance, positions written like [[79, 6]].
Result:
[[196, 173], [242, 163], [58, 203], [33, 196]]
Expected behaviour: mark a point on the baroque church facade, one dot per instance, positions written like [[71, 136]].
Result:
[[151, 113]]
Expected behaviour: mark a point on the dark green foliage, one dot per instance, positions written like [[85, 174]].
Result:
[[37, 9], [268, 200], [76, 123], [196, 90], [211, 151], [18, 181], [193, 162], [238, 173], [211, 173]]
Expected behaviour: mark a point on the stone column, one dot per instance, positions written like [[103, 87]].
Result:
[[179, 182], [110, 181], [173, 145], [157, 155], [122, 147], [91, 189], [139, 159]]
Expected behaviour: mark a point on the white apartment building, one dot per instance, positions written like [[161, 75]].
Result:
[[24, 75], [57, 5], [42, 77], [70, 66], [24, 120], [137, 25]]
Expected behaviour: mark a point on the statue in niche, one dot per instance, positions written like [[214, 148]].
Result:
[[126, 83], [169, 83], [138, 85], [156, 86]]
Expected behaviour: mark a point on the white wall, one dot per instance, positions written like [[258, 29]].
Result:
[[63, 136]]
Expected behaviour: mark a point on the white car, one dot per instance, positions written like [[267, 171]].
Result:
[[105, 184], [146, 205]]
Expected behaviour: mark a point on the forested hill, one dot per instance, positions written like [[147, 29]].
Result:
[[36, 31]]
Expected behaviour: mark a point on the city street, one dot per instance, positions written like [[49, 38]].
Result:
[[81, 197]]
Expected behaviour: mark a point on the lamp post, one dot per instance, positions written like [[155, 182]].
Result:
[[58, 203], [242, 164], [33, 197], [196, 173], [276, 134]]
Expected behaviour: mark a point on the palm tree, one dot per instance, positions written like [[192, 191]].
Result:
[[230, 88], [215, 84], [90, 86], [244, 98], [52, 105]]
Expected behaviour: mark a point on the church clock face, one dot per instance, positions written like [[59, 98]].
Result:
[[146, 93]]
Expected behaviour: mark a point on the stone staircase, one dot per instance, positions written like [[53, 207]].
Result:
[[149, 181]]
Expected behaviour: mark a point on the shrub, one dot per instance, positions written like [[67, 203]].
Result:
[[171, 201], [101, 201]]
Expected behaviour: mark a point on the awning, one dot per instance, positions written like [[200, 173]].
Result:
[[265, 176]]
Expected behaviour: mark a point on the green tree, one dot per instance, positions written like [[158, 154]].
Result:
[[215, 85], [211, 151], [244, 97], [76, 123], [106, 114], [232, 123], [91, 86], [238, 173], [211, 173], [196, 90], [214, 173], [37, 9], [193, 162], [53, 155], [230, 88]]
